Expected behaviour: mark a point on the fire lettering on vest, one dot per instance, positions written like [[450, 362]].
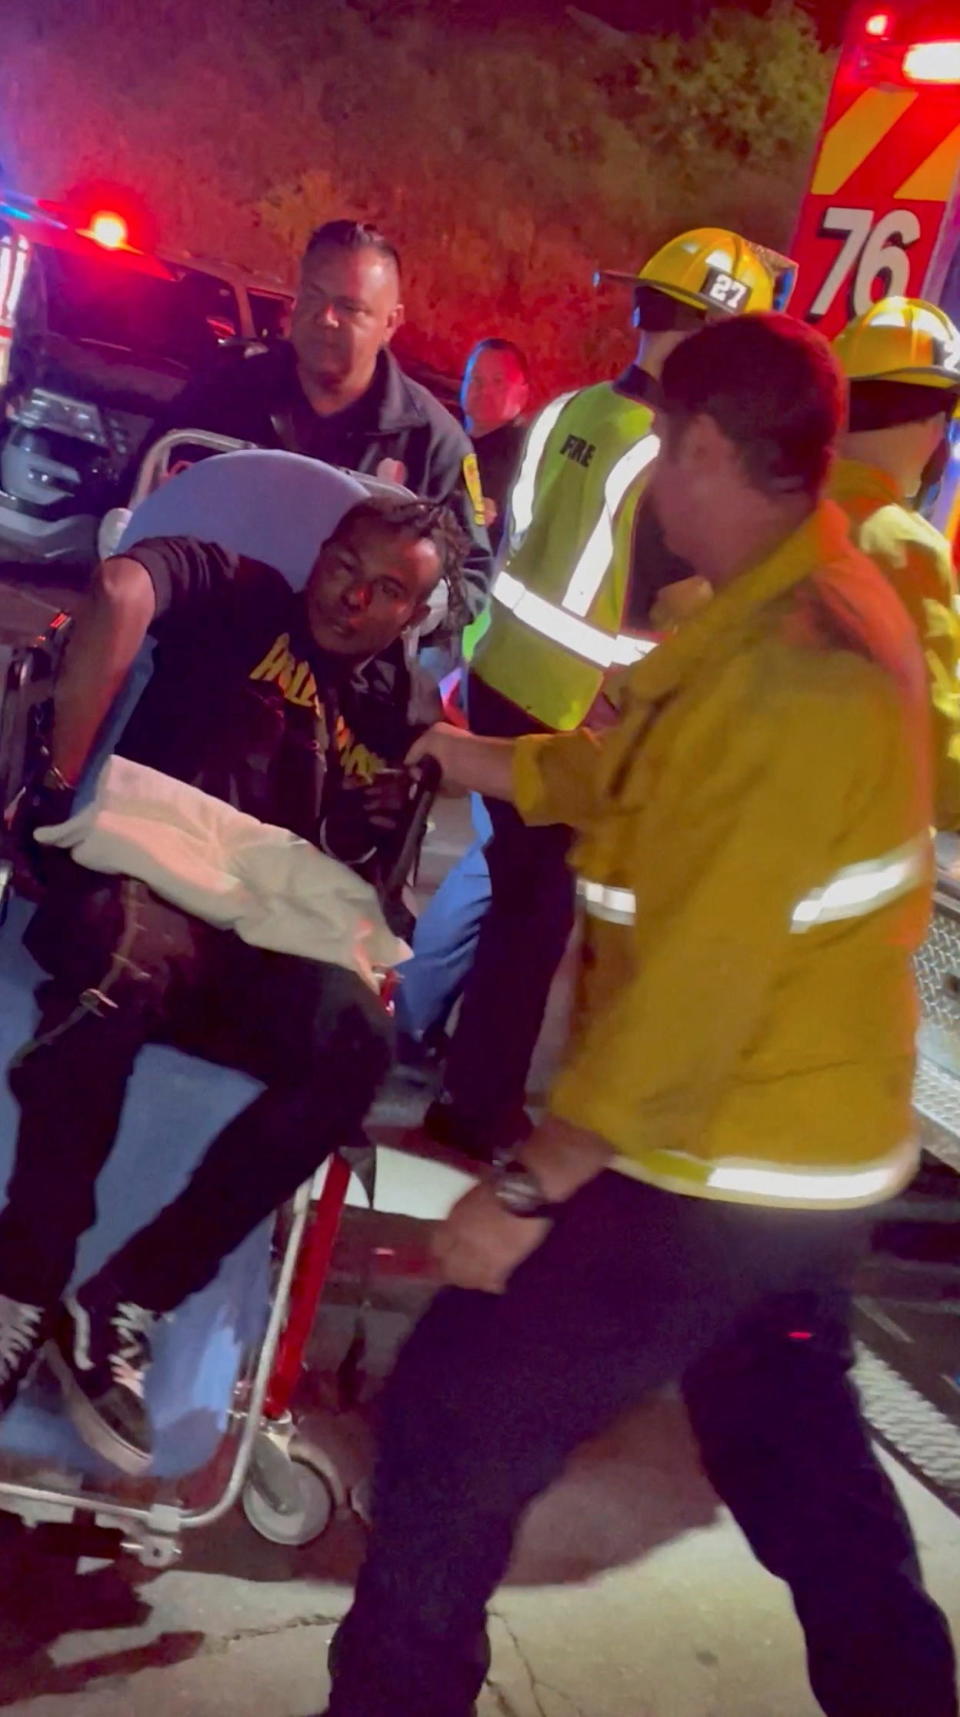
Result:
[[577, 449]]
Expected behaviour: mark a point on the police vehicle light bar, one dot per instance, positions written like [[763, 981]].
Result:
[[108, 229]]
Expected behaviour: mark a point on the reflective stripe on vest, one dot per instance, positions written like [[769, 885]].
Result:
[[771, 1184], [860, 888], [613, 905], [600, 648], [564, 623], [594, 563], [853, 892], [525, 485]]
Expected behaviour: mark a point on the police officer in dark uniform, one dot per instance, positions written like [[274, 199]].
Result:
[[333, 390], [493, 398]]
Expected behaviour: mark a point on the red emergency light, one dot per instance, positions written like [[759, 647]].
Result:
[[109, 229], [932, 62], [878, 24]]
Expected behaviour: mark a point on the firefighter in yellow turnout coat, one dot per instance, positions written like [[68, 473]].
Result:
[[753, 857], [902, 361]]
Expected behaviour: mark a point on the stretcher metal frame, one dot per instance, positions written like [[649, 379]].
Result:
[[261, 1409]]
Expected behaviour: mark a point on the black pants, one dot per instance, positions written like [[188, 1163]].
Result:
[[314, 1033], [635, 1287], [521, 944]]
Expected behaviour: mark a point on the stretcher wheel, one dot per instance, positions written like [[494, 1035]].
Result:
[[303, 1514]]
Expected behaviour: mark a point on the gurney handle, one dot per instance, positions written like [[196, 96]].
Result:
[[425, 778]]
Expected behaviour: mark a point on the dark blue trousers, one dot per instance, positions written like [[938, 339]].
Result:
[[634, 1288]]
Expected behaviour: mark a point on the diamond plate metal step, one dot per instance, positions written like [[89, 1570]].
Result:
[[910, 1422], [936, 1093], [936, 1099], [923, 1438]]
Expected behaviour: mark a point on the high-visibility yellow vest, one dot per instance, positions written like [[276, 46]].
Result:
[[558, 599]]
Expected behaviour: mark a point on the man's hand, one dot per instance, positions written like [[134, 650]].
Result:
[[392, 471], [364, 813], [44, 801], [382, 801], [480, 1244], [468, 760], [436, 743]]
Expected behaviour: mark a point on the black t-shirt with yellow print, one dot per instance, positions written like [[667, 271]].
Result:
[[242, 703]]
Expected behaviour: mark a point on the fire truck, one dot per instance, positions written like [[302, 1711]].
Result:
[[881, 216]]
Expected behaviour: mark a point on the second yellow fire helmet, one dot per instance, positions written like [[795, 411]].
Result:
[[901, 340], [714, 271]]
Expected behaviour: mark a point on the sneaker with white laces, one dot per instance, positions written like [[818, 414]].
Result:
[[100, 1355], [23, 1331]]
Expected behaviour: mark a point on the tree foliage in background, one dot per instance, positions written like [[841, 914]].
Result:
[[507, 164]]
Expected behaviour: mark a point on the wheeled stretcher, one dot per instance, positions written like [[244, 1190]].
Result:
[[221, 1390]]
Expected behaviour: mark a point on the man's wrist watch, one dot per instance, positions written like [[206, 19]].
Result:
[[519, 1189]]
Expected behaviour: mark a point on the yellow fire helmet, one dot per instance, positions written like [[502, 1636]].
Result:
[[713, 270], [901, 340]]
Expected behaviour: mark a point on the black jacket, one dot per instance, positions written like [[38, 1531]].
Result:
[[498, 455], [260, 399]]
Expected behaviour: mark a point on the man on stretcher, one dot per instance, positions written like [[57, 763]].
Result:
[[287, 706]]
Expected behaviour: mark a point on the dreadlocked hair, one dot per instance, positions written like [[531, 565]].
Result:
[[432, 521]]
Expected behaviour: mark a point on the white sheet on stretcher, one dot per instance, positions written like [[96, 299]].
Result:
[[274, 889]]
